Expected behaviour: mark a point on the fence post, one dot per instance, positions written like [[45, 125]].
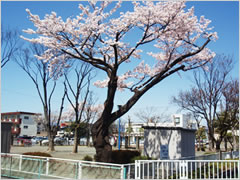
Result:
[[10, 172], [39, 168], [79, 170], [183, 169], [47, 166], [238, 169], [20, 163], [123, 172], [137, 169]]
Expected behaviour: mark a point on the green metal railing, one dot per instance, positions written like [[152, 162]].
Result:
[[35, 167]]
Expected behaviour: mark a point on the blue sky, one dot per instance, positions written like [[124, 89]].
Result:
[[19, 94]]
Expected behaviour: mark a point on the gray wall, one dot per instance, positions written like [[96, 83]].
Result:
[[180, 142], [6, 137], [188, 143]]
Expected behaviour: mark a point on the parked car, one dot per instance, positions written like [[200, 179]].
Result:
[[57, 141], [82, 141], [71, 141], [36, 140], [24, 140], [60, 141], [44, 142]]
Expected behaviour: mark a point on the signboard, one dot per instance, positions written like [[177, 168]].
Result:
[[164, 152]]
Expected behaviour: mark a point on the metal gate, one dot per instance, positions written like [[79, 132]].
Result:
[[187, 169]]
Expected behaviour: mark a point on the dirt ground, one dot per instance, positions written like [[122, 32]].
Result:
[[63, 151], [60, 151]]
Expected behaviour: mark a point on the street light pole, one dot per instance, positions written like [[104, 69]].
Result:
[[119, 131], [119, 134]]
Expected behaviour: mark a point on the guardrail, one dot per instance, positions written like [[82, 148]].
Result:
[[187, 169], [215, 156], [35, 167]]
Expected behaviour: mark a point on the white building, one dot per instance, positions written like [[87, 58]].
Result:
[[178, 120], [135, 134], [23, 123], [137, 130], [170, 140]]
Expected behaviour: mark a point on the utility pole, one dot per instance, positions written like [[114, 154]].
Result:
[[119, 134], [119, 131]]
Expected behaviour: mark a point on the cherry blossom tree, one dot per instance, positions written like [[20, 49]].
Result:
[[107, 39]]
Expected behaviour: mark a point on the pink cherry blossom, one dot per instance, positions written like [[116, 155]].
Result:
[[102, 37]]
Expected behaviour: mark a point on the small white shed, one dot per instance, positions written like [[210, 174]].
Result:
[[168, 142]]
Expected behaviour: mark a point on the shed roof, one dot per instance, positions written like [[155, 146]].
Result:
[[169, 128]]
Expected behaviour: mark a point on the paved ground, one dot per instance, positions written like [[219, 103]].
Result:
[[60, 151]]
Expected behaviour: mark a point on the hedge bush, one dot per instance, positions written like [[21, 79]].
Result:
[[87, 158], [37, 154], [124, 156], [140, 158]]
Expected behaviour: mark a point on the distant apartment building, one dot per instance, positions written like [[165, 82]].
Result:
[[134, 133], [23, 123]]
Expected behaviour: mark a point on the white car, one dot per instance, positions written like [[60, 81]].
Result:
[[60, 141], [45, 142], [57, 141], [71, 141]]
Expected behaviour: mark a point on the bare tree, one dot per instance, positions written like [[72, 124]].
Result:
[[152, 115], [45, 85], [129, 130], [91, 113], [80, 93], [204, 98], [9, 44], [230, 109]]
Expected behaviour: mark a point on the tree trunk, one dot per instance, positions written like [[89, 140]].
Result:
[[51, 142], [226, 144], [234, 140], [75, 146], [129, 138], [126, 142], [88, 136], [101, 141], [218, 145], [137, 142], [211, 141]]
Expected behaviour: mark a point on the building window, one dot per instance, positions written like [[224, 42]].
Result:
[[177, 120], [26, 117], [25, 127]]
